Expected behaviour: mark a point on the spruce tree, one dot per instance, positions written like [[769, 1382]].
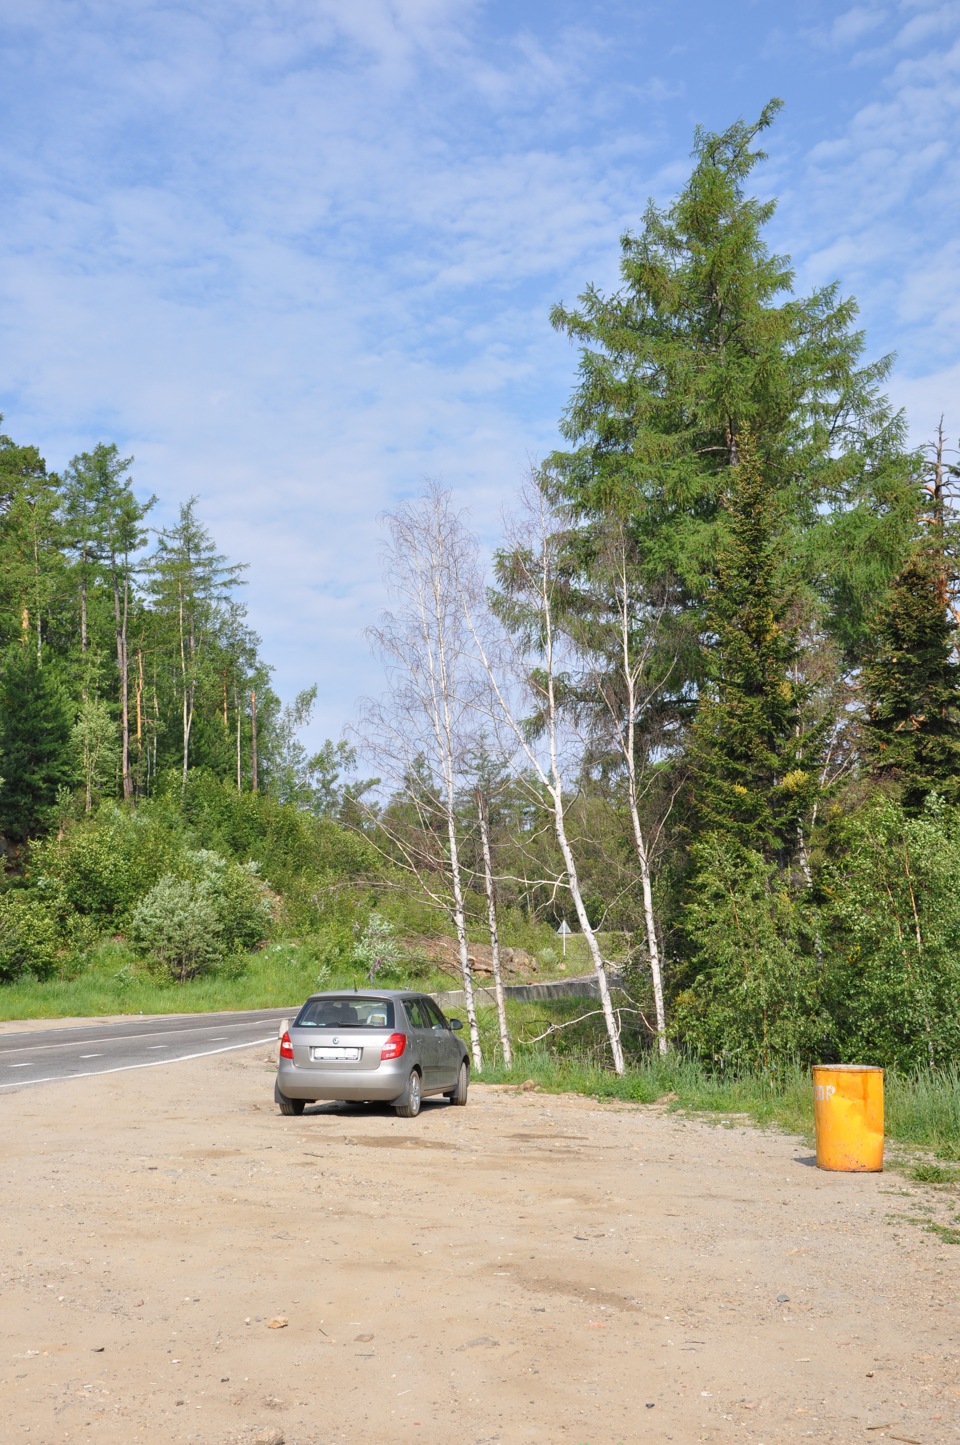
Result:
[[35, 742], [751, 773], [912, 684]]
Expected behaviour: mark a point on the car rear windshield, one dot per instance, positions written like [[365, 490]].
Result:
[[349, 1012]]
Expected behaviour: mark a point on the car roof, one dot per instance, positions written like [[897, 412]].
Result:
[[400, 993]]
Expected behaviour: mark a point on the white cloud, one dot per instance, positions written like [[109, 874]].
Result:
[[297, 254], [855, 23]]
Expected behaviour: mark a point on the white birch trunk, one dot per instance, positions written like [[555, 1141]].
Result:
[[460, 923], [646, 884], [502, 1025], [586, 928], [559, 820], [254, 759]]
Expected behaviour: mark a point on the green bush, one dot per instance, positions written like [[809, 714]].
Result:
[[755, 1002], [29, 939], [176, 927], [106, 863], [237, 895], [893, 920]]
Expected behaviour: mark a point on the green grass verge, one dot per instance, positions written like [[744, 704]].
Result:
[[922, 1111], [113, 981]]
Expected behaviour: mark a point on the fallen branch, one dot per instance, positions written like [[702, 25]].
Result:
[[558, 1028]]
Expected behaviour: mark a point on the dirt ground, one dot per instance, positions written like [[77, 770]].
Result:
[[528, 1269]]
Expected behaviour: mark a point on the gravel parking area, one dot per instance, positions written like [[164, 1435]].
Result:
[[181, 1264]]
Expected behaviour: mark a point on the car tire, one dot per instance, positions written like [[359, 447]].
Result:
[[459, 1094], [414, 1096], [290, 1106]]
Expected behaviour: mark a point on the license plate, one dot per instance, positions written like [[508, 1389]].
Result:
[[341, 1056]]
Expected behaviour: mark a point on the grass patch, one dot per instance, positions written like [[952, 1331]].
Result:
[[933, 1174], [922, 1110], [944, 1233], [114, 981], [680, 1082]]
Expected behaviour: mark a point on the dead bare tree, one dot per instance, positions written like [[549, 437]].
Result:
[[419, 733]]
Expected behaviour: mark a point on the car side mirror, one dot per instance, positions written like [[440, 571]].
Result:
[[455, 1024]]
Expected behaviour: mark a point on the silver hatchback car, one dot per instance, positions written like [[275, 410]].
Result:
[[371, 1045]]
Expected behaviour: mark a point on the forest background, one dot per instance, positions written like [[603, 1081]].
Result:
[[708, 712]]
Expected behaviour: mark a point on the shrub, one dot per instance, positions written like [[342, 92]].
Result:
[[755, 1000], [377, 951], [176, 926], [237, 895], [28, 938], [106, 863], [893, 912]]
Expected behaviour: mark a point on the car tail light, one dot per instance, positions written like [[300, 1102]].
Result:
[[394, 1047], [286, 1047]]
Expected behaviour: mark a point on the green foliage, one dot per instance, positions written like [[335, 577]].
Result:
[[893, 915], [35, 741], [33, 586], [105, 864], [753, 773], [176, 926], [29, 941], [912, 681], [755, 1000], [237, 895], [377, 949], [96, 746], [704, 340]]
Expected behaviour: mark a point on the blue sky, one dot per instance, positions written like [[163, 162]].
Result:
[[296, 255]]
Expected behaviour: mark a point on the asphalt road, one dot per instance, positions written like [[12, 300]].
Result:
[[51, 1055]]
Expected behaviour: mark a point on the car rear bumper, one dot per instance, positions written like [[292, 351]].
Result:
[[385, 1084]]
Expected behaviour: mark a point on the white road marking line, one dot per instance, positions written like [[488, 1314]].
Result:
[[157, 1046], [27, 1065], [153, 1064], [218, 1038], [91, 1056], [147, 1034]]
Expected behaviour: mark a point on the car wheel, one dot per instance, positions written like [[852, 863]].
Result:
[[411, 1108], [290, 1106], [459, 1094]]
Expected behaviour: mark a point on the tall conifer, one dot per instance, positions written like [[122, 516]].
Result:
[[912, 683], [705, 338], [751, 773]]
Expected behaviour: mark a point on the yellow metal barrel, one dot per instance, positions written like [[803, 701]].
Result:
[[848, 1108]]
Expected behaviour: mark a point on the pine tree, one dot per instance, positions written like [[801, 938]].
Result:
[[751, 773], [103, 526], [912, 683], [32, 567]]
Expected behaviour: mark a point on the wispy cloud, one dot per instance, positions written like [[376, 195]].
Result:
[[298, 254]]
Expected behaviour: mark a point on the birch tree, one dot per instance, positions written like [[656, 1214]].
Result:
[[482, 800], [419, 733], [628, 660], [525, 669]]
